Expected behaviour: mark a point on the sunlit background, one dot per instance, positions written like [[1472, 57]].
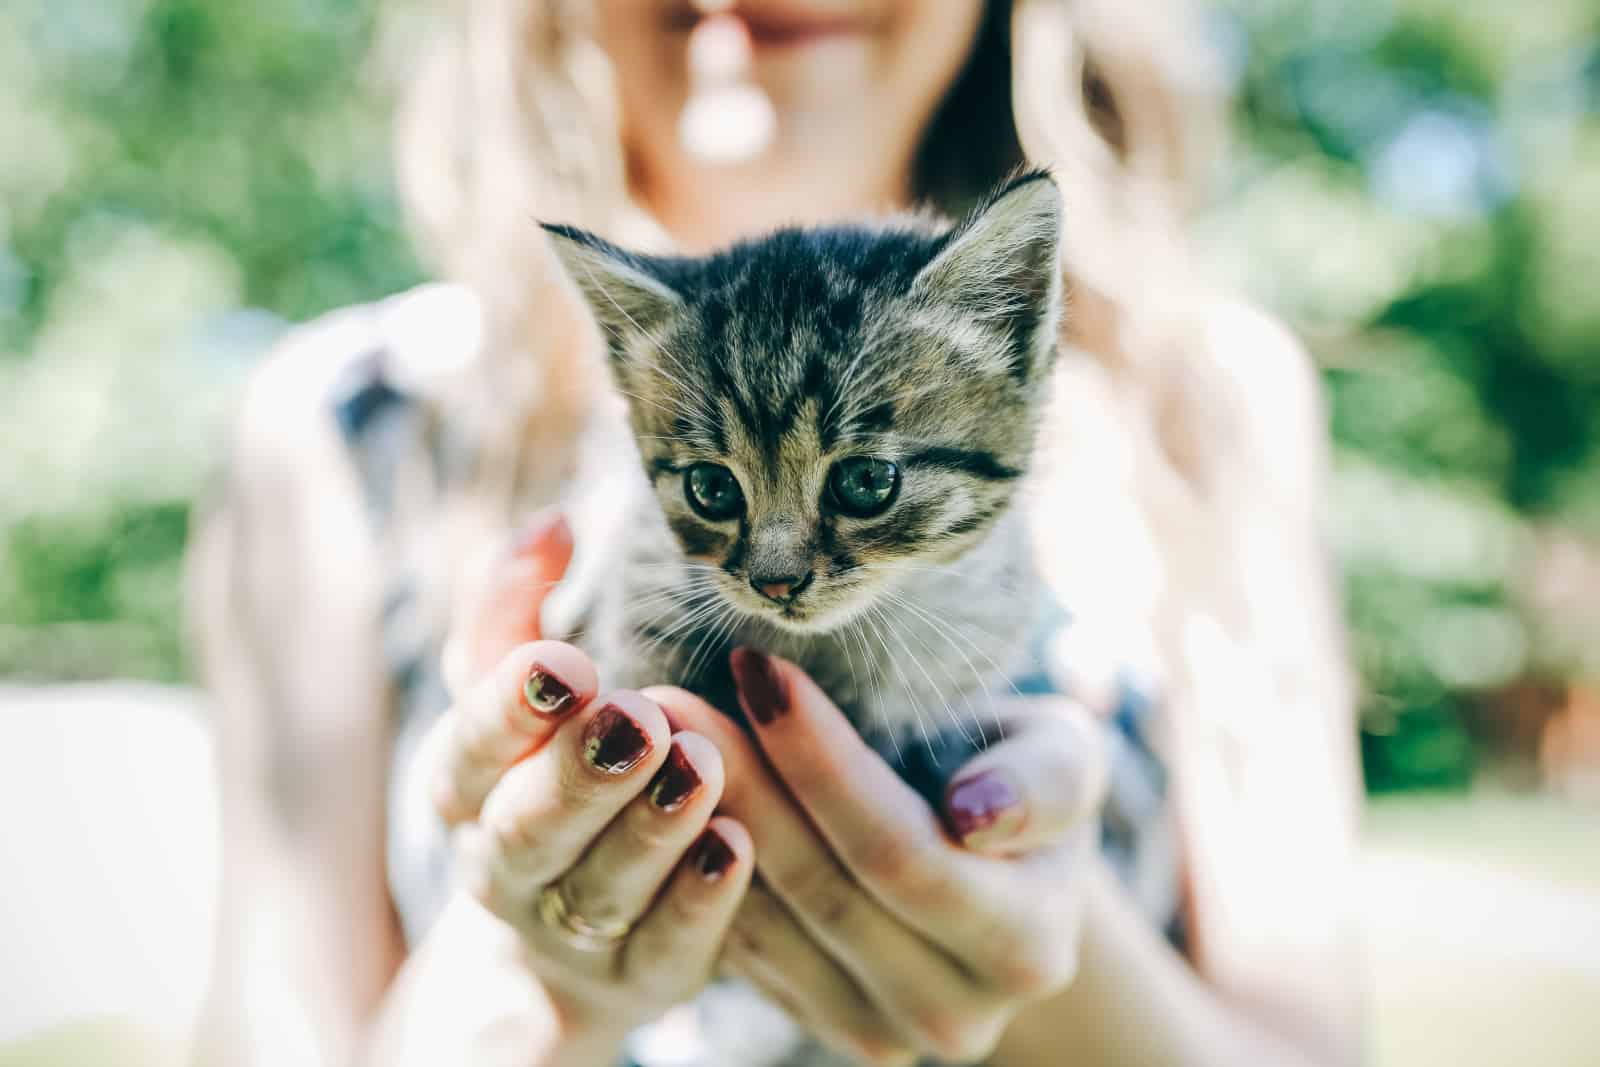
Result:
[[1414, 184]]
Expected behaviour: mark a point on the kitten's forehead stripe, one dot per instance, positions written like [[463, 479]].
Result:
[[698, 539], [978, 464], [975, 521], [735, 558], [906, 525]]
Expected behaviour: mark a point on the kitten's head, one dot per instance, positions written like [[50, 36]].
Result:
[[816, 404]]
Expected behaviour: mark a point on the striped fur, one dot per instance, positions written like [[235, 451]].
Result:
[[926, 346]]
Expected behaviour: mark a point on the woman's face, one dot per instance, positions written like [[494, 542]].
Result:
[[843, 76]]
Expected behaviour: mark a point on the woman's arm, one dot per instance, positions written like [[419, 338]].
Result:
[[1268, 777], [1135, 1001], [285, 613], [1221, 479]]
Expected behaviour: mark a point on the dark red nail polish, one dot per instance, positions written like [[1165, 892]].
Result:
[[986, 807], [546, 695], [761, 688], [675, 782], [712, 856], [613, 742]]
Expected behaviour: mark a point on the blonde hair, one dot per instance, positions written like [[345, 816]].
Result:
[[511, 115]]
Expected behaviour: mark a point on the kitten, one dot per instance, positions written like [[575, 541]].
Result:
[[835, 425]]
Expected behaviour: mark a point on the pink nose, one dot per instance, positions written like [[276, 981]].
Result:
[[779, 589]]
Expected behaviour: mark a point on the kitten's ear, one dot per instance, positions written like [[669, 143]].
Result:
[[623, 295], [1003, 265]]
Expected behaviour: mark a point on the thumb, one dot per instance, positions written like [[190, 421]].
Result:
[[1046, 779], [509, 613]]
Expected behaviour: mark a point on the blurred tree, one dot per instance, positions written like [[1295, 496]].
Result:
[[1406, 191], [183, 178]]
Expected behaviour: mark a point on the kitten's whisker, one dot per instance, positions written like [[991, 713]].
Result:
[[877, 610], [949, 672], [675, 566], [647, 400], [882, 709], [934, 686], [711, 640], [988, 583], [950, 635], [850, 662], [688, 622], [854, 628], [668, 601]]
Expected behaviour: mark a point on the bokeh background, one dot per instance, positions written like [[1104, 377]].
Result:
[[1414, 184]]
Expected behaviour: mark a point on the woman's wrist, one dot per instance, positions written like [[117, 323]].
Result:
[[586, 1047], [465, 996], [1134, 1000]]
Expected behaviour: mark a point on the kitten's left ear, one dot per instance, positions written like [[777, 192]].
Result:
[[1003, 265], [625, 297]]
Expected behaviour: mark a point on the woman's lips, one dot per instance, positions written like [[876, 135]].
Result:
[[778, 25], [783, 27]]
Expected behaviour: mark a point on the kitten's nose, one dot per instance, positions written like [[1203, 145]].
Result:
[[782, 589]]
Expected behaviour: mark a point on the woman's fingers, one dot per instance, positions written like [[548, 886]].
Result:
[[622, 871], [506, 715], [884, 833], [675, 946], [547, 809], [911, 979], [1037, 788], [768, 949], [1046, 779]]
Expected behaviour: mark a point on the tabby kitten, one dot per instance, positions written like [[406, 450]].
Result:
[[835, 424]]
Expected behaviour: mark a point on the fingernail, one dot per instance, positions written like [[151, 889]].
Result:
[[761, 687], [546, 533], [613, 742], [985, 809], [675, 782], [546, 695], [712, 856]]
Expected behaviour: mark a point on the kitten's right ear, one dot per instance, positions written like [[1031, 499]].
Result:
[[626, 299]]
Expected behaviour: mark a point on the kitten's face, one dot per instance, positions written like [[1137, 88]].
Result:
[[817, 407]]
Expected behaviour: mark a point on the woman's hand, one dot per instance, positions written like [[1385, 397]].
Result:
[[883, 932], [586, 823]]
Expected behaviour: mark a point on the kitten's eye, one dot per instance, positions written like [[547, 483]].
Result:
[[713, 491], [863, 486]]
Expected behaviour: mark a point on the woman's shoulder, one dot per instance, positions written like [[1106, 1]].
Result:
[[304, 407], [413, 340]]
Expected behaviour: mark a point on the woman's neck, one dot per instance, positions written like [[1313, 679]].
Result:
[[710, 206]]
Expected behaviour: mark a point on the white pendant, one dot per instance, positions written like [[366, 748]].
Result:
[[727, 124]]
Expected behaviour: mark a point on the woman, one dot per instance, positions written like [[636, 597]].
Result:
[[385, 456]]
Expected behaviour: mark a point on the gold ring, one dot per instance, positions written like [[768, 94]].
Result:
[[555, 911]]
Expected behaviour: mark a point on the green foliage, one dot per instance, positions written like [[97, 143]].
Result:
[[183, 178], [1408, 194], [1413, 185]]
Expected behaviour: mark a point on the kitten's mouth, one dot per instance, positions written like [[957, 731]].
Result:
[[792, 614], [804, 614]]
